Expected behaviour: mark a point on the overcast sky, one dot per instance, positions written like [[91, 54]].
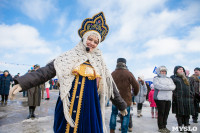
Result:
[[147, 33]]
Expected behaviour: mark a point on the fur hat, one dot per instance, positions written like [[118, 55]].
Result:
[[161, 68], [121, 60], [176, 68]]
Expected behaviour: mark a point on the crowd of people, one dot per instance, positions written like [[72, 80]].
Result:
[[85, 85], [34, 95], [178, 90]]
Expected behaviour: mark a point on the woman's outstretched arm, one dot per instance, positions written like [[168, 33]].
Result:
[[36, 78]]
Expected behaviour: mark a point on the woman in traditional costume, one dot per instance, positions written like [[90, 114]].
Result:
[[84, 79]]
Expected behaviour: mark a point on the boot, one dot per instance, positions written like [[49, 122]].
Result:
[[30, 113], [33, 115], [167, 130], [162, 130], [130, 129], [152, 114], [180, 129], [138, 113], [180, 121], [195, 121], [112, 131]]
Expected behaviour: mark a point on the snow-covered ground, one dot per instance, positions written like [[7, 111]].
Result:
[[13, 117]]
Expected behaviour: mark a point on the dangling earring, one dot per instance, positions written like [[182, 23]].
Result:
[[82, 39]]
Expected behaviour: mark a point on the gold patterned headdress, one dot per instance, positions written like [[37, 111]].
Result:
[[96, 23]]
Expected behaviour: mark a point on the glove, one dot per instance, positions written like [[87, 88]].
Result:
[[124, 112], [14, 90]]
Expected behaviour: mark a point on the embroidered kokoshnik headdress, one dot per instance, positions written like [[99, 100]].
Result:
[[66, 62], [96, 23]]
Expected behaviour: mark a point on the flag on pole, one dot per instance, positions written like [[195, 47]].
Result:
[[154, 71]]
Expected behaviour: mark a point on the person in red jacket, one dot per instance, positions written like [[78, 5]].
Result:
[[154, 110]]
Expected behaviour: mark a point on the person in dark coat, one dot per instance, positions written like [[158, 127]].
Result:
[[148, 90], [182, 99], [5, 81], [34, 97], [195, 81], [16, 76], [125, 81]]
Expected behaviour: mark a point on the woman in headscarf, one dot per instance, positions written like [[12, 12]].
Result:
[[163, 96], [182, 101], [84, 79]]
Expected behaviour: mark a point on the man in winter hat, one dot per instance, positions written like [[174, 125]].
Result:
[[123, 79]]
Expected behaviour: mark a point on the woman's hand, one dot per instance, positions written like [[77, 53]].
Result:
[[124, 112], [14, 90]]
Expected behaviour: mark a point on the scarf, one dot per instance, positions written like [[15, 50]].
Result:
[[66, 62]]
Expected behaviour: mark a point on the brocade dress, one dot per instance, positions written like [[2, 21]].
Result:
[[84, 104]]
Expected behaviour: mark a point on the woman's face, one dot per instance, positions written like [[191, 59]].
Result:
[[180, 70], [163, 72], [92, 42]]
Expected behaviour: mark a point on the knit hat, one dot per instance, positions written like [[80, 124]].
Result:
[[6, 71], [197, 69], [141, 77], [121, 60]]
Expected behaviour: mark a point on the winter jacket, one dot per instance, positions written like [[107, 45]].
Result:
[[163, 88], [46, 73], [125, 81], [182, 100], [195, 82], [5, 84], [151, 100], [141, 96]]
